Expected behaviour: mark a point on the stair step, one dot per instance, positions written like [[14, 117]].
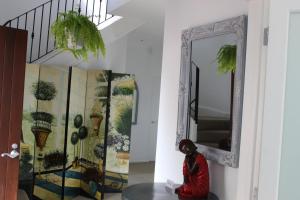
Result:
[[212, 136], [214, 124]]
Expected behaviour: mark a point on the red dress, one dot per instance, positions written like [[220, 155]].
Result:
[[196, 185]]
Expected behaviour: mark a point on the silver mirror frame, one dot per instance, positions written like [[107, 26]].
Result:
[[237, 26]]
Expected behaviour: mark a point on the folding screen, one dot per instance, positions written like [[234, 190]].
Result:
[[76, 132], [118, 140], [92, 157]]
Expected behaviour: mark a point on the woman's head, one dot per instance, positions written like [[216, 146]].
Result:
[[187, 147]]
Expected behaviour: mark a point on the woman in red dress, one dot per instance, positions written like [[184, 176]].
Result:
[[195, 172]]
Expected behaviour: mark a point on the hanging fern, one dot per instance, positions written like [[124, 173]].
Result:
[[226, 59], [77, 30]]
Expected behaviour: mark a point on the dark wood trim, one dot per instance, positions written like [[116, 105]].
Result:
[[106, 128], [13, 45], [197, 94], [231, 99], [66, 131]]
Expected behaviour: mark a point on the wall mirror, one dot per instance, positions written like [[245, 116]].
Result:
[[211, 88]]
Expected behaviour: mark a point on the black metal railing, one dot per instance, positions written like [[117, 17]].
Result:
[[194, 94], [38, 20]]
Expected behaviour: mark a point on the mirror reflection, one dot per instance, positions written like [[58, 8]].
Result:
[[213, 62]]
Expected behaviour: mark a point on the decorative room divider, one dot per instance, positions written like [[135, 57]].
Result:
[[75, 132]]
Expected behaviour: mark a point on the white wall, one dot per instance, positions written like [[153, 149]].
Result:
[[12, 8], [182, 15], [116, 57], [144, 56]]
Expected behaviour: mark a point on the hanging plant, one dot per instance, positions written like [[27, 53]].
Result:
[[226, 59], [76, 33]]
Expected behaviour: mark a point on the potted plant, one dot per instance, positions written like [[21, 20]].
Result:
[[26, 171], [122, 123], [54, 159], [44, 91], [75, 33], [41, 128], [102, 89], [74, 141], [96, 116], [123, 119], [226, 59], [122, 146], [125, 87], [99, 153]]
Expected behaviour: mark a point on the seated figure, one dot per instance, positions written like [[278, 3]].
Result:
[[195, 172]]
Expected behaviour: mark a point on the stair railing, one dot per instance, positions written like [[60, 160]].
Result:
[[38, 20], [195, 111]]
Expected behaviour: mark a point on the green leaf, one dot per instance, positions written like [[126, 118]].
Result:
[[226, 58]]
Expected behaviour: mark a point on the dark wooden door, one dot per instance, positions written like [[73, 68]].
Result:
[[13, 45]]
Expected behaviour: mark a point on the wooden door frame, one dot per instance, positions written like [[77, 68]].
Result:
[[13, 45], [274, 98]]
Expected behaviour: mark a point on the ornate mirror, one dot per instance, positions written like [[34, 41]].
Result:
[[211, 88]]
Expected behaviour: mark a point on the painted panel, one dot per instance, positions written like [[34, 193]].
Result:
[[43, 125], [76, 122], [27, 143], [76, 114], [92, 153], [118, 140]]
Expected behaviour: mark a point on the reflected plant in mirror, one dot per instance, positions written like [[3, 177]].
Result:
[[211, 88], [213, 65]]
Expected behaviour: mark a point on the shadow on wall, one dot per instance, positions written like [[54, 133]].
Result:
[[217, 179]]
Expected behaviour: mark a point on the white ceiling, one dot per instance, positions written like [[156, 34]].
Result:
[[151, 12]]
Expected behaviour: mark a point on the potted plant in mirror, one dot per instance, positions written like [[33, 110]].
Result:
[[75, 33], [226, 59], [96, 116]]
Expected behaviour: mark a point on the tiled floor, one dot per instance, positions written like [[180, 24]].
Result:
[[138, 173]]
